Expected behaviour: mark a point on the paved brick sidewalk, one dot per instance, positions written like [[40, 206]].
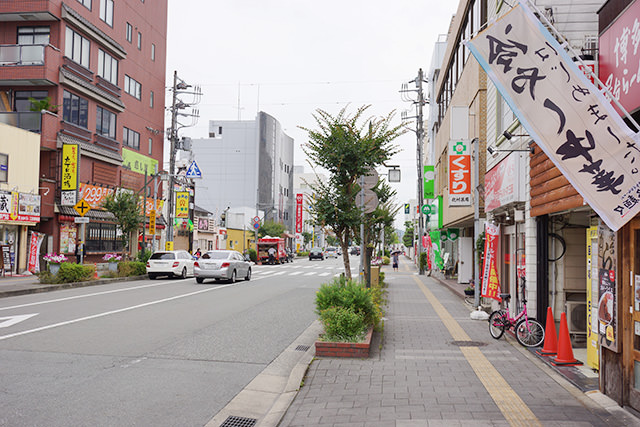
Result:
[[421, 377]]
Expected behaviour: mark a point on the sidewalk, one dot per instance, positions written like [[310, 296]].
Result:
[[437, 367]]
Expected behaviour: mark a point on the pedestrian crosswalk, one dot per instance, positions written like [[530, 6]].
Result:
[[319, 270]]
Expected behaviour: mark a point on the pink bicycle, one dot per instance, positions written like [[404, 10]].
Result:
[[529, 332]]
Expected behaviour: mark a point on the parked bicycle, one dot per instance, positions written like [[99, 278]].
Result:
[[529, 332]]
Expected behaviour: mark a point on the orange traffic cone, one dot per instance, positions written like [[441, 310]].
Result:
[[565, 352], [95, 271], [550, 347]]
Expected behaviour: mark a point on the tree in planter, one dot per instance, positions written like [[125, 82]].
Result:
[[127, 208], [347, 146], [407, 239]]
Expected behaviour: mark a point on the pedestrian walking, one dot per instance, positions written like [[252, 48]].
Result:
[[394, 257]]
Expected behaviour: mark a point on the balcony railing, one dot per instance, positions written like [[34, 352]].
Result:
[[21, 55], [28, 120]]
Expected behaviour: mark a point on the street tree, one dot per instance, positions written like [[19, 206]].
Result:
[[407, 239], [347, 146], [126, 206]]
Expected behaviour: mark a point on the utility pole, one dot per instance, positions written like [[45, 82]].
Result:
[[419, 102], [172, 161]]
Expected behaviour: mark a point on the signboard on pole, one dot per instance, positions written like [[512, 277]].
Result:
[[69, 181], [299, 198], [152, 222], [182, 204], [490, 282], [429, 182], [459, 173]]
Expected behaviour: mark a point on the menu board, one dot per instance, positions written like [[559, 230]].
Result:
[[6, 259]]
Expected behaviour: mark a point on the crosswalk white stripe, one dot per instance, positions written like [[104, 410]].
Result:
[[323, 274], [310, 273], [295, 273]]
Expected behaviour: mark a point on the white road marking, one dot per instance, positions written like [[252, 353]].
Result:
[[90, 295], [295, 273], [323, 274], [12, 320], [310, 273]]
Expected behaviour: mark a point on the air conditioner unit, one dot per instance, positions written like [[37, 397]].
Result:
[[577, 317]]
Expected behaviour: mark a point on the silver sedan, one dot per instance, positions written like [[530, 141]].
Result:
[[222, 265]]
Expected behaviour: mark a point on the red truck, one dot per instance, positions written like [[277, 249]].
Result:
[[276, 243]]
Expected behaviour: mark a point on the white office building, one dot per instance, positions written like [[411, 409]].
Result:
[[246, 165]]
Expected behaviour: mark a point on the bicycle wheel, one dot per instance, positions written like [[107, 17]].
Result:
[[496, 323], [531, 336]]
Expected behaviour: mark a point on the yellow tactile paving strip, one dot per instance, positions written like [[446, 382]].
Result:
[[515, 411]]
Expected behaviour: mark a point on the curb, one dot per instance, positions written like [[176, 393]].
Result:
[[56, 287]]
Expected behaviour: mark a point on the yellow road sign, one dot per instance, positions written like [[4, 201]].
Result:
[[152, 222], [82, 207]]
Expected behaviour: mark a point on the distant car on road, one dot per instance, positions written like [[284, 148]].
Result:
[[355, 250], [170, 263], [316, 253], [331, 252], [222, 265]]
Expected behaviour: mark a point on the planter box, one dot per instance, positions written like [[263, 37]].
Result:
[[345, 349]]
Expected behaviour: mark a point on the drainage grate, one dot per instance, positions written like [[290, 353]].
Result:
[[302, 348], [468, 343], [234, 421]]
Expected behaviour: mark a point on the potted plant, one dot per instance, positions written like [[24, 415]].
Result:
[[471, 289], [112, 260], [53, 261]]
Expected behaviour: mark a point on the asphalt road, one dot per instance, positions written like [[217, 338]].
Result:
[[149, 353]]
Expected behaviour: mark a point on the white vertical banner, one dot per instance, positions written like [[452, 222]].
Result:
[[567, 116]]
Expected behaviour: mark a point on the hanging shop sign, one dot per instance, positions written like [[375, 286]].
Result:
[[618, 57], [459, 173], [453, 234], [435, 217], [567, 116], [429, 178], [503, 183], [299, 199], [137, 162], [490, 281], [182, 204], [69, 182], [23, 207], [607, 290]]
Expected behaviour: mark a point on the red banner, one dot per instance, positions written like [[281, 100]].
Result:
[[34, 251], [299, 198], [490, 281]]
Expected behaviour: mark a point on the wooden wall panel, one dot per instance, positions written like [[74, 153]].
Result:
[[550, 191], [131, 180], [104, 174]]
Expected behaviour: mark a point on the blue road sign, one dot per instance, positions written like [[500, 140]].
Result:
[[193, 171]]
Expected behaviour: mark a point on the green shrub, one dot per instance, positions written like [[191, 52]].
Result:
[[131, 268], [348, 294], [68, 273], [423, 260], [386, 260], [303, 253], [253, 255], [343, 324], [387, 253], [144, 255]]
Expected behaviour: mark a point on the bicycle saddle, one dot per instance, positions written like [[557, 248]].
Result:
[[505, 297]]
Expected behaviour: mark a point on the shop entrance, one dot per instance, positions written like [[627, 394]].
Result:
[[631, 272]]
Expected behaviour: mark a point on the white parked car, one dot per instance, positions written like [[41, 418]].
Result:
[[222, 265], [171, 264]]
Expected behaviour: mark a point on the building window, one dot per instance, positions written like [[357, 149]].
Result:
[[4, 168], [21, 98], [102, 237], [75, 109], [106, 123], [76, 48], [107, 67], [153, 52], [129, 34], [139, 40], [132, 87], [151, 99], [33, 35], [131, 138], [106, 11], [85, 3], [150, 145]]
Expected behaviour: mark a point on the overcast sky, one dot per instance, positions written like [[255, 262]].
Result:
[[291, 57]]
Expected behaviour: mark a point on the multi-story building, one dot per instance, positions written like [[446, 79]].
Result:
[[303, 184], [246, 164], [98, 68]]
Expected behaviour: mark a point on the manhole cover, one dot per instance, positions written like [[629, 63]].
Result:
[[302, 348], [468, 343], [234, 421]]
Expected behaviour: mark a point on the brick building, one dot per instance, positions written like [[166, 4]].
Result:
[[98, 68]]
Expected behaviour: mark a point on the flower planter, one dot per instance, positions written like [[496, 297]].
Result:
[[469, 293], [345, 349], [54, 268], [113, 267]]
